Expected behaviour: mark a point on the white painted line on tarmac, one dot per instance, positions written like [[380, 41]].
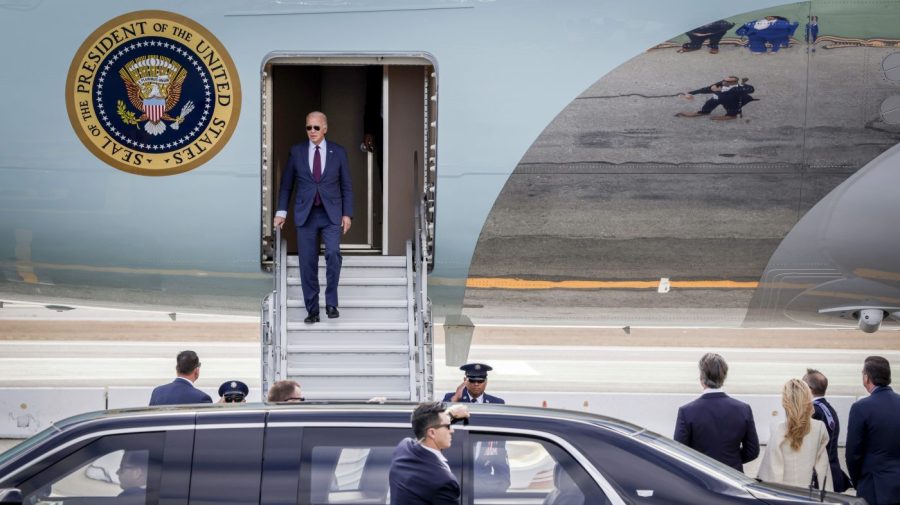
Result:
[[655, 327]]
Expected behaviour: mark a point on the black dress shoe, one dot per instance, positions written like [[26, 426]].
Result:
[[312, 318], [332, 311]]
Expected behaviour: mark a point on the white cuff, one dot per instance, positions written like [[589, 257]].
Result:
[[281, 213]]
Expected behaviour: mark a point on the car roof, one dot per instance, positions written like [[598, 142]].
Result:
[[369, 411]]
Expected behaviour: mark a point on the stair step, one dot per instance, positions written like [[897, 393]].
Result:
[[328, 325], [356, 281], [357, 395], [362, 303], [358, 261], [347, 349], [350, 338], [348, 372], [379, 272]]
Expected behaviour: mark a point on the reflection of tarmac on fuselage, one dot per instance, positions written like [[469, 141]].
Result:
[[823, 42], [618, 189]]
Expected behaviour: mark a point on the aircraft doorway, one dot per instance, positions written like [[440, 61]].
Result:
[[384, 100]]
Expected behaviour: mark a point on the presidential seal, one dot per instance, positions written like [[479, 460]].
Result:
[[153, 93]]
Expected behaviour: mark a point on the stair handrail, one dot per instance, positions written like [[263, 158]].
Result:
[[280, 308], [424, 329]]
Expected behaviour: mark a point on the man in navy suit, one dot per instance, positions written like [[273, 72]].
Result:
[[873, 446], [181, 390], [323, 207], [716, 424], [420, 475], [823, 411]]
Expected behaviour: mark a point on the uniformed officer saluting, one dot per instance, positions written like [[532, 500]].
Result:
[[492, 474], [473, 385]]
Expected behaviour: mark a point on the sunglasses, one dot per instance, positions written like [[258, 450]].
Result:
[[313, 127], [234, 398], [476, 381], [439, 426]]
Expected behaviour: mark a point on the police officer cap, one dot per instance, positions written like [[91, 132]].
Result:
[[476, 370], [233, 387]]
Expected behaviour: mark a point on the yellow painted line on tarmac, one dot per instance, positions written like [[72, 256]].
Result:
[[512, 283]]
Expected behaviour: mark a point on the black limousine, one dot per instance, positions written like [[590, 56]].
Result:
[[314, 454]]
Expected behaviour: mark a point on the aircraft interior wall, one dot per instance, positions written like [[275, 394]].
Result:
[[346, 94]]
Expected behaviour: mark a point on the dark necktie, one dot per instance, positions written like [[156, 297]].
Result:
[[317, 174]]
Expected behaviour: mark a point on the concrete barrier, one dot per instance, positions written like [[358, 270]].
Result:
[[26, 411]]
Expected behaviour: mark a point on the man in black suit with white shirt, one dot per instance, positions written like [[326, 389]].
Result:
[[419, 473]]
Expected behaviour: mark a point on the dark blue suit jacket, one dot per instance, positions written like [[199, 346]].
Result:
[[873, 447], [720, 427], [823, 411], [178, 392], [418, 478], [465, 398], [335, 187]]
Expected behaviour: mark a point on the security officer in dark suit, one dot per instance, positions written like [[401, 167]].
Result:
[[491, 458], [873, 447], [181, 391], [420, 474], [233, 392]]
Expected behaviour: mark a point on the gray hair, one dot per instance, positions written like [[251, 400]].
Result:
[[713, 370]]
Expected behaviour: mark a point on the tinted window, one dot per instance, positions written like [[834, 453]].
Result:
[[347, 465], [227, 466], [117, 469], [521, 470]]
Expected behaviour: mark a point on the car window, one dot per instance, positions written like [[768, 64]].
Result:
[[343, 466], [227, 466], [523, 471], [119, 469]]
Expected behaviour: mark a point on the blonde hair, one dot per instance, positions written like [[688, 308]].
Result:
[[797, 402]]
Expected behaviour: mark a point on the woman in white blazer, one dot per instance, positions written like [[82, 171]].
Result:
[[799, 445]]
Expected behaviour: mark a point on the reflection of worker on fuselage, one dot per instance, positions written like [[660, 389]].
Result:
[[732, 94], [769, 32]]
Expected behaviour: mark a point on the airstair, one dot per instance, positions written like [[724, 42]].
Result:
[[379, 347]]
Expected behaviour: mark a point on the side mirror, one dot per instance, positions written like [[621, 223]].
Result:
[[10, 497]]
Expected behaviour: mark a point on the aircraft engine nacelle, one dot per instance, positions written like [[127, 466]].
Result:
[[868, 318]]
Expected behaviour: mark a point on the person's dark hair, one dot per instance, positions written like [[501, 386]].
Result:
[[713, 370], [281, 391], [878, 370], [425, 416], [187, 362], [816, 381]]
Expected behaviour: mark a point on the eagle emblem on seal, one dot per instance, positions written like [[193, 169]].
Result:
[[153, 85]]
